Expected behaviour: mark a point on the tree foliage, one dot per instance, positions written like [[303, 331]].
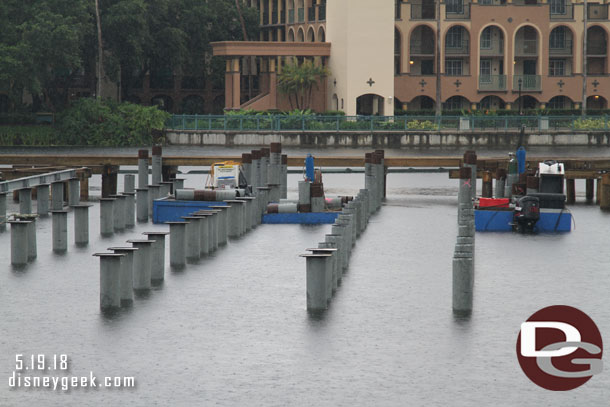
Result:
[[45, 44], [298, 80]]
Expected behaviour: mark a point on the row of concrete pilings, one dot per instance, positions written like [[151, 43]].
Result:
[[327, 263]]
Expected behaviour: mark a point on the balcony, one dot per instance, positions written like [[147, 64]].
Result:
[[423, 11], [458, 12], [495, 48], [561, 49], [422, 48], [528, 83], [526, 48], [492, 82], [596, 48], [311, 14], [291, 16], [596, 11], [561, 11], [301, 15], [457, 49], [322, 12]]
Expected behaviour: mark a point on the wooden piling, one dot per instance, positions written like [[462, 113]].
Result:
[[570, 191], [604, 196]]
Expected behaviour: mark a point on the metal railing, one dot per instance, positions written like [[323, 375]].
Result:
[[597, 11], [561, 11], [346, 124], [420, 11], [421, 48], [528, 82], [492, 82], [526, 47], [457, 49], [459, 14], [301, 15], [596, 48], [561, 49], [496, 48]]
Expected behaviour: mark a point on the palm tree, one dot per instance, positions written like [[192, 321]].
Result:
[[297, 82]]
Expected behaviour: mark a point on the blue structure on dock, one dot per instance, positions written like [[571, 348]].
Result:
[[551, 221]]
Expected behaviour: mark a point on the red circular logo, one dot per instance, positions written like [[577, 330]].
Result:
[[559, 348]]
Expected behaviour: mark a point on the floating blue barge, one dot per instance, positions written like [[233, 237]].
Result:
[[551, 221], [169, 210]]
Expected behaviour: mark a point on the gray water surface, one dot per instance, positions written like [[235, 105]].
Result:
[[233, 330]]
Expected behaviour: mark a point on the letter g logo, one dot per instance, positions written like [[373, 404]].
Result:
[[559, 348]]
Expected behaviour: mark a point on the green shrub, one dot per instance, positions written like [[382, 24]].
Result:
[[40, 135], [421, 125], [589, 124]]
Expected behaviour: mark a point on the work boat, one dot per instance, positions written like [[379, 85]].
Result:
[[534, 206]]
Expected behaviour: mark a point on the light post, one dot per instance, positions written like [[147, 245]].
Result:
[[520, 82]]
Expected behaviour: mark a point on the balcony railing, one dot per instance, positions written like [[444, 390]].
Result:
[[561, 49], [526, 47], [423, 11], [291, 16], [311, 14], [274, 17], [457, 49], [528, 82], [322, 12], [496, 48], [597, 48], [421, 48], [461, 13], [597, 11], [561, 11], [301, 15], [492, 82]]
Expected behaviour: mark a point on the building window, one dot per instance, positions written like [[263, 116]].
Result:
[[558, 38], [453, 67], [454, 6], [485, 71], [453, 103], [557, 67], [454, 37], [486, 38], [558, 102], [558, 6], [398, 4]]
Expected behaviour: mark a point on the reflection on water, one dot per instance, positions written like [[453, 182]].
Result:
[[233, 329]]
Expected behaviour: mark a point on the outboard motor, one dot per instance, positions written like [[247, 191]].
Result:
[[527, 213]]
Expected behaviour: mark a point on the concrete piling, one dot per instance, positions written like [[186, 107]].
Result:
[[329, 268], [470, 161], [246, 164], [370, 183], [153, 193], [118, 212], [126, 273], [177, 244], [42, 200], [305, 194], [463, 279], [255, 170], [334, 241], [157, 267], [143, 169], [316, 281], [248, 216], [142, 264], [157, 164], [178, 183], [110, 280], [130, 209], [223, 219], [165, 189], [500, 182], [32, 244], [81, 224], [236, 218], [193, 239], [25, 201], [19, 242], [129, 183], [107, 216], [142, 204], [264, 164], [206, 229], [317, 197], [73, 191], [339, 230], [60, 231], [57, 196], [3, 197]]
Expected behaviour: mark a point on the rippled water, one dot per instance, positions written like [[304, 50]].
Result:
[[233, 330]]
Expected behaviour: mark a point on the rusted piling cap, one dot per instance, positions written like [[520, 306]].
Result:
[[142, 153], [265, 152], [246, 158], [465, 172], [377, 158], [346, 199], [368, 158], [470, 157], [533, 182], [284, 159], [256, 154], [204, 195], [276, 147], [381, 153], [317, 190], [157, 150], [501, 173]]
